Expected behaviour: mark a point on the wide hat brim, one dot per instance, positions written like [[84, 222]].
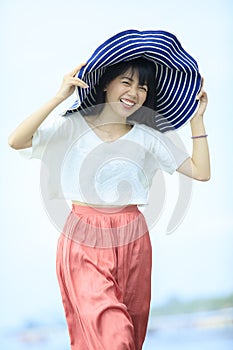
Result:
[[177, 75]]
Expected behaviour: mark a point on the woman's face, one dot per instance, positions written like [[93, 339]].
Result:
[[125, 95]]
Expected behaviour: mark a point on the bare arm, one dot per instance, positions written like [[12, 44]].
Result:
[[21, 137], [198, 166]]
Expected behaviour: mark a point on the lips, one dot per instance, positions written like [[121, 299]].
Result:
[[127, 103]]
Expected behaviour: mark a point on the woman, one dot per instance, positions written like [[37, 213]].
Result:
[[104, 251]]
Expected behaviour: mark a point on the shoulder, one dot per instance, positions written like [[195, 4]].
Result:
[[59, 127], [148, 133], [73, 118], [71, 122], [155, 140]]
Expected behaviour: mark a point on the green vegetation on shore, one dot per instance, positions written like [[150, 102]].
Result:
[[177, 306]]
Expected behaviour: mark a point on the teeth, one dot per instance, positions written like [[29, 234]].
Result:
[[128, 103]]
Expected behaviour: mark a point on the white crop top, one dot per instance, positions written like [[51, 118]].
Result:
[[79, 166]]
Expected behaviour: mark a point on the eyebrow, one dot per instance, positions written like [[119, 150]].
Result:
[[124, 77]]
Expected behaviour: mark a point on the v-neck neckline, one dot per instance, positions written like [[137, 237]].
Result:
[[99, 138]]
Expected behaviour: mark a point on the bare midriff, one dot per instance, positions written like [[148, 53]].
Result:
[[96, 205], [84, 204]]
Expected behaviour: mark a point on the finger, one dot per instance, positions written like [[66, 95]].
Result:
[[202, 97], [202, 82], [77, 69], [199, 95], [79, 82]]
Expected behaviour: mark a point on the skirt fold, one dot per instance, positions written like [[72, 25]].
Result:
[[104, 273]]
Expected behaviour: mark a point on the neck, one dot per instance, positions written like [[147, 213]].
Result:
[[108, 124], [107, 116]]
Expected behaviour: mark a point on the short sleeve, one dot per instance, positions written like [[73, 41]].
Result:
[[169, 156], [52, 128]]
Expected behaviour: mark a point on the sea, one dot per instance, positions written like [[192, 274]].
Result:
[[177, 332]]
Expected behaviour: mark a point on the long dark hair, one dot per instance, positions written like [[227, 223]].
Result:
[[146, 70]]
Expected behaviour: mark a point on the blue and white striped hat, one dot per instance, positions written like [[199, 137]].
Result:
[[178, 79]]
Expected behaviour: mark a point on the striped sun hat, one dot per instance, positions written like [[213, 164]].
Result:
[[177, 77]]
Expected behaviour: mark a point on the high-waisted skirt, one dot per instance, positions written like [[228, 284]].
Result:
[[104, 273]]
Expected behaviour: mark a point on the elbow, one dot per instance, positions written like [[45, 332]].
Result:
[[17, 144], [203, 178], [202, 173], [12, 142]]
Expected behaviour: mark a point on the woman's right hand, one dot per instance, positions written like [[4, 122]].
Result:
[[70, 82], [21, 137]]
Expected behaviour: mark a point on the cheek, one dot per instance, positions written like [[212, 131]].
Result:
[[114, 93], [109, 96], [142, 99]]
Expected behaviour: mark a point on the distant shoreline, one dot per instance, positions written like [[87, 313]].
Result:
[[200, 320], [197, 313], [178, 306]]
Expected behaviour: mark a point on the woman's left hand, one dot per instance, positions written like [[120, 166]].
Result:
[[198, 166], [202, 97]]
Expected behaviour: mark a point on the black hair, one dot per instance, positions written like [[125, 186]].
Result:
[[146, 74], [146, 71]]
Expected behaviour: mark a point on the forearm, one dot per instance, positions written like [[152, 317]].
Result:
[[21, 137], [200, 153]]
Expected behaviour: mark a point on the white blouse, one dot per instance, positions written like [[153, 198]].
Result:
[[78, 165]]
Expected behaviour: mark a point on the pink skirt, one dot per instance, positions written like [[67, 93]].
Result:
[[104, 273]]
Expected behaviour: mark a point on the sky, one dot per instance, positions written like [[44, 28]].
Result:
[[40, 42]]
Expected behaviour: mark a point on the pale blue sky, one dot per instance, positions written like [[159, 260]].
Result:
[[40, 42]]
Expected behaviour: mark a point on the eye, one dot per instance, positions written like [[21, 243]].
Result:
[[143, 88], [125, 82]]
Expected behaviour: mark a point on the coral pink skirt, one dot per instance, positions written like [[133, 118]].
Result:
[[104, 273]]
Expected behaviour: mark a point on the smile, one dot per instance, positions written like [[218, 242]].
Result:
[[126, 102]]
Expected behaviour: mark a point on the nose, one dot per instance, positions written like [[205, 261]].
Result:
[[133, 90]]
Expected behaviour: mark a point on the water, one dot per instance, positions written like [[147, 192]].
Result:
[[191, 339], [37, 339], [170, 338]]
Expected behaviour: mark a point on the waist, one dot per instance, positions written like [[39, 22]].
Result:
[[87, 208]]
